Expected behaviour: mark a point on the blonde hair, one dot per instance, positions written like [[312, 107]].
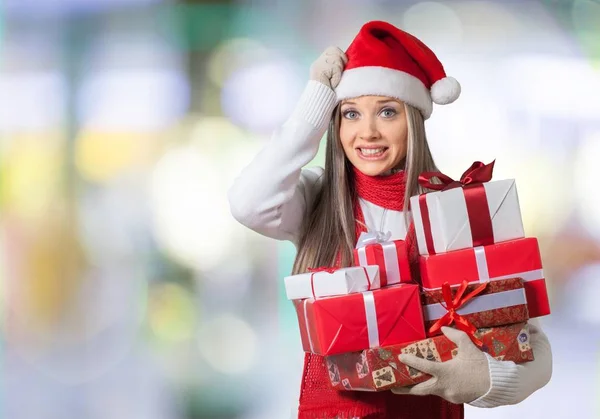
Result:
[[329, 227]]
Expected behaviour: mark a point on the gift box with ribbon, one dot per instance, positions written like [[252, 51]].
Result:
[[516, 258], [380, 368], [467, 213], [326, 282], [354, 322], [376, 248], [470, 307]]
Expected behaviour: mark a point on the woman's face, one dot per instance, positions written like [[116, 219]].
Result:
[[374, 133]]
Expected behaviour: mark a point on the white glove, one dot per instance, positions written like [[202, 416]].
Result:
[[328, 68], [460, 380]]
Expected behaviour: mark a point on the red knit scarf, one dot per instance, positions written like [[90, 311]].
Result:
[[384, 191], [318, 400]]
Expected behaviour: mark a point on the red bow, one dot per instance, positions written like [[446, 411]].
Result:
[[331, 270], [476, 174], [452, 305]]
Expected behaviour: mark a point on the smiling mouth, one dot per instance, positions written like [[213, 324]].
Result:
[[372, 153]]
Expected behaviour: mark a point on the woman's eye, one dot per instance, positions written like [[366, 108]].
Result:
[[388, 113], [350, 114]]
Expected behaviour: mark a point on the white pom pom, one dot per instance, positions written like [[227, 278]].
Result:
[[445, 91]]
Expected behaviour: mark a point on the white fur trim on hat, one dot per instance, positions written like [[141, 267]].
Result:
[[445, 91], [383, 81]]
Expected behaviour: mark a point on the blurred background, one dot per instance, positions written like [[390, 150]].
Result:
[[129, 291]]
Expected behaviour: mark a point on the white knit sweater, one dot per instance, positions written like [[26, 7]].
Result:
[[271, 196]]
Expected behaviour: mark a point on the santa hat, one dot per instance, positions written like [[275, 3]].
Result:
[[386, 61]]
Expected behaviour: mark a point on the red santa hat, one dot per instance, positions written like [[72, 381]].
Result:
[[386, 61]]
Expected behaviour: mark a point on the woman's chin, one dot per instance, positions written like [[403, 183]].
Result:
[[372, 169]]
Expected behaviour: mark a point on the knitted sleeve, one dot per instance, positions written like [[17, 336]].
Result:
[[512, 383], [271, 194]]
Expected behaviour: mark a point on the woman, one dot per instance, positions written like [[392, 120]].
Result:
[[375, 99]]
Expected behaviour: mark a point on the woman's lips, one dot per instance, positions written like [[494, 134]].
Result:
[[372, 153]]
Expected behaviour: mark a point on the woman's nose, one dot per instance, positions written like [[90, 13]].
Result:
[[368, 130]]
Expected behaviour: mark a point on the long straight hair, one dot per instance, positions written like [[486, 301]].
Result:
[[329, 226]]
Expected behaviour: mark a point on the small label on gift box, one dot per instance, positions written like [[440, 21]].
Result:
[[334, 373], [384, 377], [428, 350], [412, 349], [362, 368], [523, 339], [346, 384]]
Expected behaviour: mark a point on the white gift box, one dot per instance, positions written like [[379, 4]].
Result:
[[324, 284], [446, 225]]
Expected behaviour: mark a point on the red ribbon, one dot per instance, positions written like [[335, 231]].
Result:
[[331, 270], [452, 305], [478, 212], [477, 173]]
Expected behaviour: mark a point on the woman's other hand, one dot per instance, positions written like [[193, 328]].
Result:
[[328, 68]]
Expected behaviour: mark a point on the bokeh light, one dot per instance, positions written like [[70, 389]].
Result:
[[190, 209], [136, 99], [501, 24], [234, 54], [31, 174], [533, 80], [584, 288], [425, 18], [260, 97], [32, 101], [103, 156], [585, 184], [586, 20], [171, 312], [219, 342]]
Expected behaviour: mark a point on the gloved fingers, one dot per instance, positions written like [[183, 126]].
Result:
[[335, 69], [337, 52], [328, 68], [422, 389], [335, 79], [421, 364], [465, 345]]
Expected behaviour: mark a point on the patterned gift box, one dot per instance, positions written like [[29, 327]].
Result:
[[353, 322], [498, 303], [380, 369], [467, 213], [515, 258], [375, 248]]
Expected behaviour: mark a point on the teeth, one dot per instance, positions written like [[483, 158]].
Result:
[[371, 151]]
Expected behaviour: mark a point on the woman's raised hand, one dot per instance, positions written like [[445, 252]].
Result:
[[328, 68]]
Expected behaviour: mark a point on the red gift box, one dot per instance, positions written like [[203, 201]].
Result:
[[516, 258], [380, 369], [390, 256], [470, 307], [354, 322]]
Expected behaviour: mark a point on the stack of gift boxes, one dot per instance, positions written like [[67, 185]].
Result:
[[478, 273]]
